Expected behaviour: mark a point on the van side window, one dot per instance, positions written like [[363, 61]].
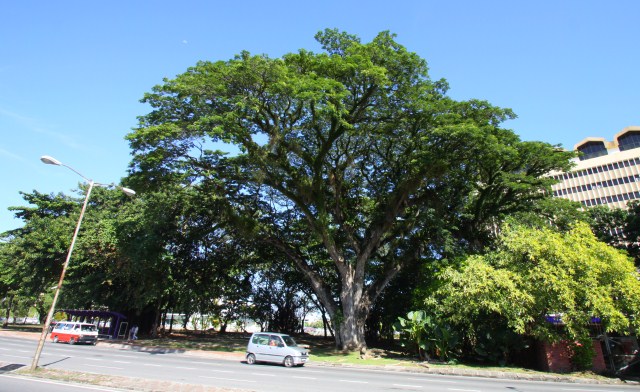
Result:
[[67, 327]]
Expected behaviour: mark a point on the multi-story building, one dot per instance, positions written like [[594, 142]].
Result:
[[606, 173]]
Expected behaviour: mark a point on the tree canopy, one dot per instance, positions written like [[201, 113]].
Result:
[[539, 273], [352, 163]]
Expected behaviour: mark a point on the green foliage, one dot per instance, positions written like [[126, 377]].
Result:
[[31, 257], [352, 163], [582, 353], [443, 340], [606, 223], [413, 331], [535, 272], [427, 336], [631, 230], [618, 227]]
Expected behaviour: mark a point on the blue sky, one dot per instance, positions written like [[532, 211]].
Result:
[[72, 72]]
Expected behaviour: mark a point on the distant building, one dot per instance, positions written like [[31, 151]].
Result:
[[606, 173]]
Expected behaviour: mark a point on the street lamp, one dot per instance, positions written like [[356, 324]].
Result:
[[45, 329]]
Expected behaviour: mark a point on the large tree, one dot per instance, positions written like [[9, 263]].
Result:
[[31, 257], [115, 262], [352, 163]]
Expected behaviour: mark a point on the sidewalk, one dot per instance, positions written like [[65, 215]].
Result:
[[144, 385]]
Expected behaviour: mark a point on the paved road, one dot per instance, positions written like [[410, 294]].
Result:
[[12, 383], [180, 367]]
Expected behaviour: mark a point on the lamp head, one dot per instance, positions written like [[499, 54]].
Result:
[[50, 160], [128, 192]]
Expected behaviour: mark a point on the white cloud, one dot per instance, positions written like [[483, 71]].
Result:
[[11, 155], [33, 125]]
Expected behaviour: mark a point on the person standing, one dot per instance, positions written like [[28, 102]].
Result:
[[133, 332]]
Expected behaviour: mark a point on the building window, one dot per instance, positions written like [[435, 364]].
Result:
[[629, 140], [592, 150]]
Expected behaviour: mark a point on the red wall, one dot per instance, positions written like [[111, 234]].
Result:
[[556, 357]]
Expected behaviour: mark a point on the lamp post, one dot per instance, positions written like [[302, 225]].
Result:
[[45, 329]]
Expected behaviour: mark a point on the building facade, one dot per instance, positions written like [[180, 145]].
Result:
[[606, 173]]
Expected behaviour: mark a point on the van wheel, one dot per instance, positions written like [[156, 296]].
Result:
[[72, 341], [251, 359], [288, 361], [55, 339]]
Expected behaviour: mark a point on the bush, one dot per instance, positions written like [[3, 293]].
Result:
[[582, 354]]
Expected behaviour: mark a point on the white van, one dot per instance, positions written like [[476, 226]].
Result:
[[277, 348], [74, 332]]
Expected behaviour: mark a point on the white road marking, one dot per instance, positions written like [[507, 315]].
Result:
[[227, 379], [15, 356], [355, 382], [407, 386], [200, 363], [125, 362], [120, 356], [185, 368], [304, 378], [221, 371], [432, 380], [14, 350], [464, 390], [151, 364], [263, 374], [106, 367]]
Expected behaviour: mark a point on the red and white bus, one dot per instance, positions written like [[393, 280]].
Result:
[[74, 332]]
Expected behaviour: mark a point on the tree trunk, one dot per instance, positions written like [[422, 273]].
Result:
[[350, 324], [156, 323], [350, 335], [325, 322], [163, 321], [5, 323]]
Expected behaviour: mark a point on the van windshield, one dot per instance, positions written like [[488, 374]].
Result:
[[288, 340]]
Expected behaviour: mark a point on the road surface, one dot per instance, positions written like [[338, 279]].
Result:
[[180, 367]]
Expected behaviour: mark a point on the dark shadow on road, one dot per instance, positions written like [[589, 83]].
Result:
[[11, 367], [53, 363]]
